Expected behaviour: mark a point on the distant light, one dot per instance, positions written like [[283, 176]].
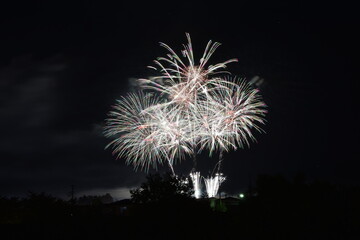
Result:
[[241, 195]]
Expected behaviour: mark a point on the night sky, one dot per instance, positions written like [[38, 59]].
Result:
[[63, 65]]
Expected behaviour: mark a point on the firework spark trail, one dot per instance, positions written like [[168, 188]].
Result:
[[196, 180], [212, 184], [228, 116], [186, 84], [198, 111], [181, 82], [172, 132], [143, 137], [132, 130]]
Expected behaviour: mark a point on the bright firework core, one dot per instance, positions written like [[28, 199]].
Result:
[[196, 180], [213, 183]]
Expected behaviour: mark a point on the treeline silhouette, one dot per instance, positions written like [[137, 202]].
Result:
[[276, 208]]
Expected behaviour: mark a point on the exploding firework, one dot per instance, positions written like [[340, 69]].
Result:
[[228, 116], [197, 108], [181, 82], [184, 83], [132, 131], [172, 132], [146, 137], [213, 183]]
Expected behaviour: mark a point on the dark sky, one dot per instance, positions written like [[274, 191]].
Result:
[[62, 65]]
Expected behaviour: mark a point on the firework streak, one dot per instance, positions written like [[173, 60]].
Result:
[[185, 109]]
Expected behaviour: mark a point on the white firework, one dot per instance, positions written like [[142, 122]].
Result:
[[172, 133], [182, 82], [146, 137], [132, 131], [212, 184], [228, 115], [200, 110], [196, 180]]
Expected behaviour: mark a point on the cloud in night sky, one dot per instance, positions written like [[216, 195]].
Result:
[[49, 141]]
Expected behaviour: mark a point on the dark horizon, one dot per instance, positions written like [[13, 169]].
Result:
[[63, 65]]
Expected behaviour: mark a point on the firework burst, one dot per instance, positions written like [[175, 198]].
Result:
[[133, 132], [196, 108], [228, 115], [182, 81], [146, 137]]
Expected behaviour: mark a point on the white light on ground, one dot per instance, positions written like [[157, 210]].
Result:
[[196, 180], [212, 184]]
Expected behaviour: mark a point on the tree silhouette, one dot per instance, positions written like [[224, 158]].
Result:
[[162, 188]]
